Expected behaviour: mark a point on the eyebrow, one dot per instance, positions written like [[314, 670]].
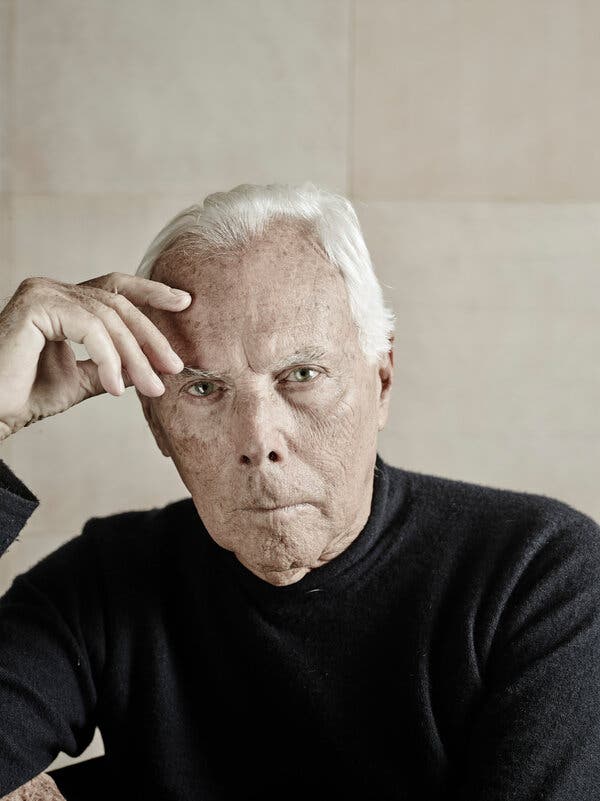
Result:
[[298, 357]]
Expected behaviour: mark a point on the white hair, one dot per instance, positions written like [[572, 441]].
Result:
[[228, 221]]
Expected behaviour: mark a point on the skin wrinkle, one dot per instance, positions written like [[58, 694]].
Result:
[[248, 311]]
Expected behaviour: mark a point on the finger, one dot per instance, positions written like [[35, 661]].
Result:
[[141, 291], [133, 359], [90, 380], [151, 340], [64, 320]]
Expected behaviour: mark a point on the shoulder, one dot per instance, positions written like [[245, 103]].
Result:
[[118, 545], [140, 531], [491, 504], [121, 564], [489, 525], [509, 561]]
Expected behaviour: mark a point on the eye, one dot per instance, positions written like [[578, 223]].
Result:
[[201, 384], [304, 370], [208, 387]]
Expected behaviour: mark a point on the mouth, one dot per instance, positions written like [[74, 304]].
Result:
[[279, 509]]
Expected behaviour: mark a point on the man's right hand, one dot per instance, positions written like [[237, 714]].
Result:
[[39, 374]]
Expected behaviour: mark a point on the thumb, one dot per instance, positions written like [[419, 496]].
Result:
[[90, 380]]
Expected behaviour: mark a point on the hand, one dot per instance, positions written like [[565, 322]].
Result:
[[40, 788], [39, 374]]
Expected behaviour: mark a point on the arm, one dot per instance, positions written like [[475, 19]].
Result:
[[536, 732], [17, 504], [51, 631], [51, 650]]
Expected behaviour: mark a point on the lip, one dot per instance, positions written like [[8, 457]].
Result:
[[280, 509]]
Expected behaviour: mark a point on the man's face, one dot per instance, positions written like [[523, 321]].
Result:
[[261, 435]]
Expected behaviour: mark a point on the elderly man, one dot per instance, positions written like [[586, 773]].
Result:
[[311, 622]]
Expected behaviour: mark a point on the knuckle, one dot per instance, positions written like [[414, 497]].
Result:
[[96, 325], [32, 283], [111, 282], [103, 283], [28, 282], [112, 316], [119, 302], [107, 278], [125, 310]]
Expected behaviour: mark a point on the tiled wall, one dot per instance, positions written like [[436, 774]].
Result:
[[467, 135]]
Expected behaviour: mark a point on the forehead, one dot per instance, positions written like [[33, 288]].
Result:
[[279, 292]]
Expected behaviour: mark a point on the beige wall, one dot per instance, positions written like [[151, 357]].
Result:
[[466, 133]]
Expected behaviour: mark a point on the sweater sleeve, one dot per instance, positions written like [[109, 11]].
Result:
[[17, 504], [536, 733], [51, 649]]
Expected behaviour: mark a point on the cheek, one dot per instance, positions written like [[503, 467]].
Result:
[[347, 420], [196, 448], [201, 454], [204, 466]]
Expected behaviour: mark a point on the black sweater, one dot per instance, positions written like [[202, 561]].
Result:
[[452, 651]]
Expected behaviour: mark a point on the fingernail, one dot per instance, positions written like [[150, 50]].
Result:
[[157, 382], [177, 362], [180, 293], [121, 384]]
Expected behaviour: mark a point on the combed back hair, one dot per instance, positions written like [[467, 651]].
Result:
[[227, 222]]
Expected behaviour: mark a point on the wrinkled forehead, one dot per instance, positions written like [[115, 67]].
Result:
[[281, 288]]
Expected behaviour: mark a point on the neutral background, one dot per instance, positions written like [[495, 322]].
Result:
[[467, 133]]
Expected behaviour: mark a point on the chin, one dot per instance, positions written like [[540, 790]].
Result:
[[280, 578]]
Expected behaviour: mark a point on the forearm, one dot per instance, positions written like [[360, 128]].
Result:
[[52, 649], [17, 504]]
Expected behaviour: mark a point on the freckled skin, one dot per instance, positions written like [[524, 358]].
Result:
[[319, 419]]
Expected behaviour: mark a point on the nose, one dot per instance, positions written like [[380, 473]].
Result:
[[257, 459], [258, 431]]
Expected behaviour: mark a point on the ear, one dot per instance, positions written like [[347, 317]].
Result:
[[386, 377], [154, 423]]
